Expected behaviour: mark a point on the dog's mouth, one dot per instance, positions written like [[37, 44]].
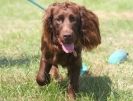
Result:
[[68, 48]]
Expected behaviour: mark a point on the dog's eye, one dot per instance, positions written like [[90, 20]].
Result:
[[72, 18], [60, 19]]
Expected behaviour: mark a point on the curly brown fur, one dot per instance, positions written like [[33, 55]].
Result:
[[67, 29]]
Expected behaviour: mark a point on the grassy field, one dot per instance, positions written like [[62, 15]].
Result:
[[20, 31]]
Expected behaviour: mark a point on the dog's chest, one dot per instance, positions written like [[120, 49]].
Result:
[[65, 59]]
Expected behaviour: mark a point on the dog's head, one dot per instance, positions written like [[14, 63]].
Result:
[[68, 24]]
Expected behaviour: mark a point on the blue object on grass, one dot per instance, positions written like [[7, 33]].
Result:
[[36, 4], [118, 57], [84, 69]]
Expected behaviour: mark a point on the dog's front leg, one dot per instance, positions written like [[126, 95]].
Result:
[[43, 76], [73, 73]]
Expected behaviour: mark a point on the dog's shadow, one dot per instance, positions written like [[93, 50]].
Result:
[[97, 87]]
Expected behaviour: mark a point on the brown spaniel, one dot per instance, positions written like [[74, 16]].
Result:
[[67, 29]]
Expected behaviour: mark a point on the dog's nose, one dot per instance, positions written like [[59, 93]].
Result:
[[67, 36]]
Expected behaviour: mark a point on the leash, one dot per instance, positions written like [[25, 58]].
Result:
[[36, 4]]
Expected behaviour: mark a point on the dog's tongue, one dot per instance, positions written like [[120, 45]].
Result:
[[68, 48]]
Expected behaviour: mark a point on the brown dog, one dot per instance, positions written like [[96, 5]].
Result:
[[68, 28]]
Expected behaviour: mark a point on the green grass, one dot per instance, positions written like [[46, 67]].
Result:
[[20, 31]]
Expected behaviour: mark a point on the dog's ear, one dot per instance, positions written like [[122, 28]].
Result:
[[47, 35], [90, 34]]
